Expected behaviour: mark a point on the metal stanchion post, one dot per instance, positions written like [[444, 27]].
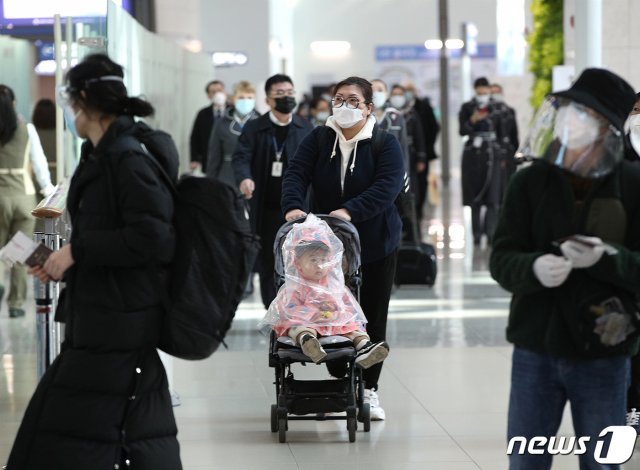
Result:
[[46, 297]]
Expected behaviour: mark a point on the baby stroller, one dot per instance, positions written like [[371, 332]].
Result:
[[313, 399]]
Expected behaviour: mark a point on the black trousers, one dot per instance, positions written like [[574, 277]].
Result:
[[272, 220], [486, 226], [375, 293]]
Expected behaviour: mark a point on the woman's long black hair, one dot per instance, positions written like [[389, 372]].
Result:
[[106, 96], [8, 116]]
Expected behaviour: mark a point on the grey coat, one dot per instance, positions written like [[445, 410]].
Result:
[[222, 144]]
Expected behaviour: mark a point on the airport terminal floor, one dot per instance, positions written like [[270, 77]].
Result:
[[444, 387]]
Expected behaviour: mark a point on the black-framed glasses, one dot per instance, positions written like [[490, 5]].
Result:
[[352, 102]]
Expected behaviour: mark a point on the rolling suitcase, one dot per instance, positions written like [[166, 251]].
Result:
[[417, 262]]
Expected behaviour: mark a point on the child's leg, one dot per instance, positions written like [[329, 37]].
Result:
[[358, 338], [307, 339], [369, 353], [296, 333]]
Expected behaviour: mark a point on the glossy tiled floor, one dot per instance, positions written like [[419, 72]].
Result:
[[444, 387]]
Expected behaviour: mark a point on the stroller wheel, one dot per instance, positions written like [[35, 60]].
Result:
[[282, 428], [351, 427], [274, 418], [364, 416]]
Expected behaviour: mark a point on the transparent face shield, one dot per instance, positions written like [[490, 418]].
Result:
[[574, 137], [64, 92]]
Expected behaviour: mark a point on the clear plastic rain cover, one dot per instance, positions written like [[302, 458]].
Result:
[[314, 293]]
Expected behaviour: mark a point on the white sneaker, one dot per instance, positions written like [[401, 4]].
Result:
[[633, 419], [375, 411]]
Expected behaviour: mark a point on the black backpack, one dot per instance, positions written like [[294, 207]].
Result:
[[215, 253]]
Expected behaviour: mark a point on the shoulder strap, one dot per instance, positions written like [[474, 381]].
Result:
[[132, 144], [378, 136]]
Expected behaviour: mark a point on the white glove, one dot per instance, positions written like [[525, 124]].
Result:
[[583, 254], [551, 270]]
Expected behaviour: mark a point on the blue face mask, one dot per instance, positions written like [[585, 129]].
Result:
[[70, 119], [244, 106]]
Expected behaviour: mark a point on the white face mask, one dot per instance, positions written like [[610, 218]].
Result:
[[483, 100], [632, 127], [398, 101], [379, 99], [632, 122], [219, 98], [322, 116], [575, 129], [497, 97], [346, 117]]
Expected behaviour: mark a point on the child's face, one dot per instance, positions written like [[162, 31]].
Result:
[[314, 264]]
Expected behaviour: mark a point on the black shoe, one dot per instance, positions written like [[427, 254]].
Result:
[[372, 353], [16, 313]]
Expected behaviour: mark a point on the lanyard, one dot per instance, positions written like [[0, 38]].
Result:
[[280, 150]]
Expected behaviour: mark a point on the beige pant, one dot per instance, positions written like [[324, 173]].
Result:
[[15, 215], [356, 336]]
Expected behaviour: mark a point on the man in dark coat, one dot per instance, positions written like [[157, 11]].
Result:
[[430, 129], [204, 122], [507, 134], [259, 162], [481, 181]]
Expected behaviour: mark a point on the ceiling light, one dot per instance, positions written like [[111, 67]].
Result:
[[331, 48]]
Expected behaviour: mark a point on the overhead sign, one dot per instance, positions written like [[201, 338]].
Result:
[[419, 52]]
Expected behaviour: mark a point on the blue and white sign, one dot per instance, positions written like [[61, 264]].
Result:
[[419, 52]]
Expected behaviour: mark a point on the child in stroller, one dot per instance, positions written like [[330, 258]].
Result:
[[314, 300]]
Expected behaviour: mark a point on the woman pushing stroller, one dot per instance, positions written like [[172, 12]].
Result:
[[314, 301]]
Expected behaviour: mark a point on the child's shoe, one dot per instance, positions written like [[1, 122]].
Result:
[[372, 353], [312, 348]]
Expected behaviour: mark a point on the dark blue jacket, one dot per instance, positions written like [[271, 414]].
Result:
[[253, 153], [369, 192]]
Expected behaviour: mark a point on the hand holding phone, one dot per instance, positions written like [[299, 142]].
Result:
[[581, 250]]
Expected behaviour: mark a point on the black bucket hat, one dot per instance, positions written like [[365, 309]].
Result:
[[604, 92]]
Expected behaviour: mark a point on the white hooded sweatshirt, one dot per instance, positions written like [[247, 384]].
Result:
[[346, 146]]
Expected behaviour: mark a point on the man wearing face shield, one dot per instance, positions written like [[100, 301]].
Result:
[[567, 246], [482, 185], [632, 135]]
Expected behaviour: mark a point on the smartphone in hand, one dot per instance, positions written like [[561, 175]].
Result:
[[586, 241]]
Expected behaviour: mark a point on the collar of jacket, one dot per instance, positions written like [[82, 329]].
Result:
[[265, 122], [117, 127]]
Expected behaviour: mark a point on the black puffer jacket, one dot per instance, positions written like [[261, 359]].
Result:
[[105, 399]]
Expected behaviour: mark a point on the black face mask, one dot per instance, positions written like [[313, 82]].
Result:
[[285, 104]]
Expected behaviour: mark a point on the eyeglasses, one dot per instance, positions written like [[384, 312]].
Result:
[[352, 103], [281, 93]]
